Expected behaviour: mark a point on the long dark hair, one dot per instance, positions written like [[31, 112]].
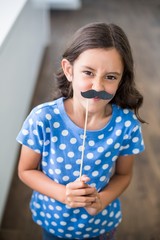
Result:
[[102, 35]]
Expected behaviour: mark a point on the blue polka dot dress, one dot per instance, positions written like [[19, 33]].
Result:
[[48, 130]]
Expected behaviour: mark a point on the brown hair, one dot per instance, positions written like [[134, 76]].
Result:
[[102, 35]]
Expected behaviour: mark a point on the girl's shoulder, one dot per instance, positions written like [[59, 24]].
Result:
[[124, 115], [51, 107]]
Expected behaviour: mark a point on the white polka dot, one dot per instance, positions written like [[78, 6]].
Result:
[[101, 136], [117, 145], [40, 196], [30, 142], [90, 155], [102, 231], [110, 224], [65, 178], [88, 229], [114, 158], [91, 143], [126, 136], [35, 132], [56, 125], [127, 123], [87, 167], [97, 221], [86, 236], [46, 143], [56, 111], [60, 230], [44, 164], [54, 139], [73, 140], [78, 161], [63, 223], [48, 116], [25, 132], [118, 132], [110, 129], [84, 216], [56, 216], [100, 149], [102, 179], [66, 215], [48, 130], [104, 223], [135, 139], [135, 151], [97, 162], [39, 222], [51, 231], [126, 111], [30, 121], [42, 214], [62, 146], [105, 166], [76, 173], [109, 141], [118, 119], [40, 124], [45, 154], [46, 198], [54, 223], [57, 171], [68, 166], [81, 225], [118, 214], [51, 161], [48, 215], [68, 235], [76, 211], [52, 151], [70, 228], [111, 214], [51, 207], [73, 220], [95, 173], [104, 212], [96, 230], [60, 159], [51, 171], [108, 154], [65, 132], [70, 154], [135, 128]]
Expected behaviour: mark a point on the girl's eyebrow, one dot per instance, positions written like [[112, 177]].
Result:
[[92, 69]]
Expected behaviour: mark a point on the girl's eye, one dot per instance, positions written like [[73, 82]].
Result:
[[110, 77], [88, 73]]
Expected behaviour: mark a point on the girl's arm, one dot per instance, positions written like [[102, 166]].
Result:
[[79, 192], [118, 183]]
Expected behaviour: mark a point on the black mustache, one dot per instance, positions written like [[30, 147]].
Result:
[[93, 93]]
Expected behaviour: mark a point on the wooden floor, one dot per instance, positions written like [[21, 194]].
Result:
[[141, 202]]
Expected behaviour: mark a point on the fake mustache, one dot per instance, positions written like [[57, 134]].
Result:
[[94, 94]]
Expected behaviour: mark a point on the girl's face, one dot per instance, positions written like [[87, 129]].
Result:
[[98, 69]]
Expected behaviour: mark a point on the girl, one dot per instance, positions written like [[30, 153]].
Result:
[[96, 85]]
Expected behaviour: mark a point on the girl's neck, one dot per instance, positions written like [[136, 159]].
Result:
[[96, 120]]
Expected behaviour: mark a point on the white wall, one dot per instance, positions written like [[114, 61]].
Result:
[[20, 57]]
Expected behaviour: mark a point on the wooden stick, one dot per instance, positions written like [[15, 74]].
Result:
[[84, 139]]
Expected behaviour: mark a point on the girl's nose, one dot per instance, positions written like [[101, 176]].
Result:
[[97, 84]]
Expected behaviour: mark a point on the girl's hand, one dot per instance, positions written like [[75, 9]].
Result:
[[96, 206], [80, 194]]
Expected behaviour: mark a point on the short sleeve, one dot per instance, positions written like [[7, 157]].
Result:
[[133, 141], [31, 133]]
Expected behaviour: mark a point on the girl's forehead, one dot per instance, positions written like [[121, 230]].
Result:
[[100, 56]]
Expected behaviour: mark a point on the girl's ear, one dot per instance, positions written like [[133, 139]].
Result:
[[67, 69]]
